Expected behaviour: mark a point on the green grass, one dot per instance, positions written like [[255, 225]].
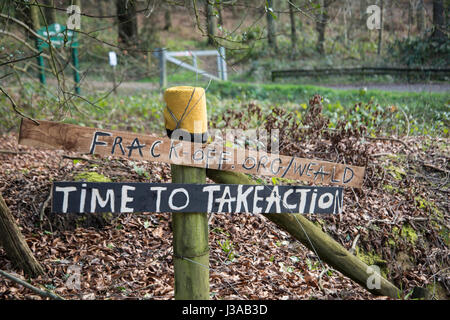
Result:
[[428, 113], [381, 111]]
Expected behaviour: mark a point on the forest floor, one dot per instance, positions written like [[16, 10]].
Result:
[[130, 256]]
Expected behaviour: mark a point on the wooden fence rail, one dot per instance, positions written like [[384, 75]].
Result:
[[362, 71]]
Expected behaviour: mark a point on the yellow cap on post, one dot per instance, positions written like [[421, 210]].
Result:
[[186, 109]]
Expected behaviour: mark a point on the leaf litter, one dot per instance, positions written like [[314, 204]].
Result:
[[399, 220]]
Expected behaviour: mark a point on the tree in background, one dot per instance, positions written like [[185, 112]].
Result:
[[420, 17], [167, 18], [380, 31], [49, 12], [321, 24], [211, 22], [29, 15], [438, 20], [293, 27], [271, 29], [126, 16]]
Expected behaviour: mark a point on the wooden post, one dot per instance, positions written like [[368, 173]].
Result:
[[190, 230], [314, 238], [190, 243]]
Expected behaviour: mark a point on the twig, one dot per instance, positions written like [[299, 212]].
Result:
[[42, 293], [390, 139], [320, 278], [14, 105], [407, 121], [13, 152], [43, 207], [382, 154], [435, 168], [355, 241]]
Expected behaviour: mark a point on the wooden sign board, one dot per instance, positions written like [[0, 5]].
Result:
[[92, 197], [55, 135]]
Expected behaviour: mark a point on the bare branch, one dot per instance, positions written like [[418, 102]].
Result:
[[14, 105], [42, 293]]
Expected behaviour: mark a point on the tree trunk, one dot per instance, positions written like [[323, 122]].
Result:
[[16, 248], [315, 239], [293, 28], [211, 22], [363, 14], [380, 32], [438, 20], [167, 18], [126, 15], [50, 12], [420, 17], [410, 17], [321, 25], [220, 11], [34, 10], [28, 14], [271, 29]]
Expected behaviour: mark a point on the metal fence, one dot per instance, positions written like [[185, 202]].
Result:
[[165, 56]]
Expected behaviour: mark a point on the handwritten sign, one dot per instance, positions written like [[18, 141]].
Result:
[[84, 197], [129, 145]]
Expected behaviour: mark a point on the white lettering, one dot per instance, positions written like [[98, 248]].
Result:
[[325, 205], [273, 198], [210, 190], [125, 199], [95, 197], [257, 209], [174, 192], [223, 200], [66, 191], [302, 202], [158, 190]]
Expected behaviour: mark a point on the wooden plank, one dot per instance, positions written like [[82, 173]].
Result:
[[92, 197], [357, 71], [54, 135]]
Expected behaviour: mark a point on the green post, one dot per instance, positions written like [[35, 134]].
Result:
[[76, 74], [40, 61]]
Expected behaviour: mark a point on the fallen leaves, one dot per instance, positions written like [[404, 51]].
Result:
[[131, 257]]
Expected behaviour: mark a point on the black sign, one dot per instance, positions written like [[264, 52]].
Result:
[[90, 197]]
